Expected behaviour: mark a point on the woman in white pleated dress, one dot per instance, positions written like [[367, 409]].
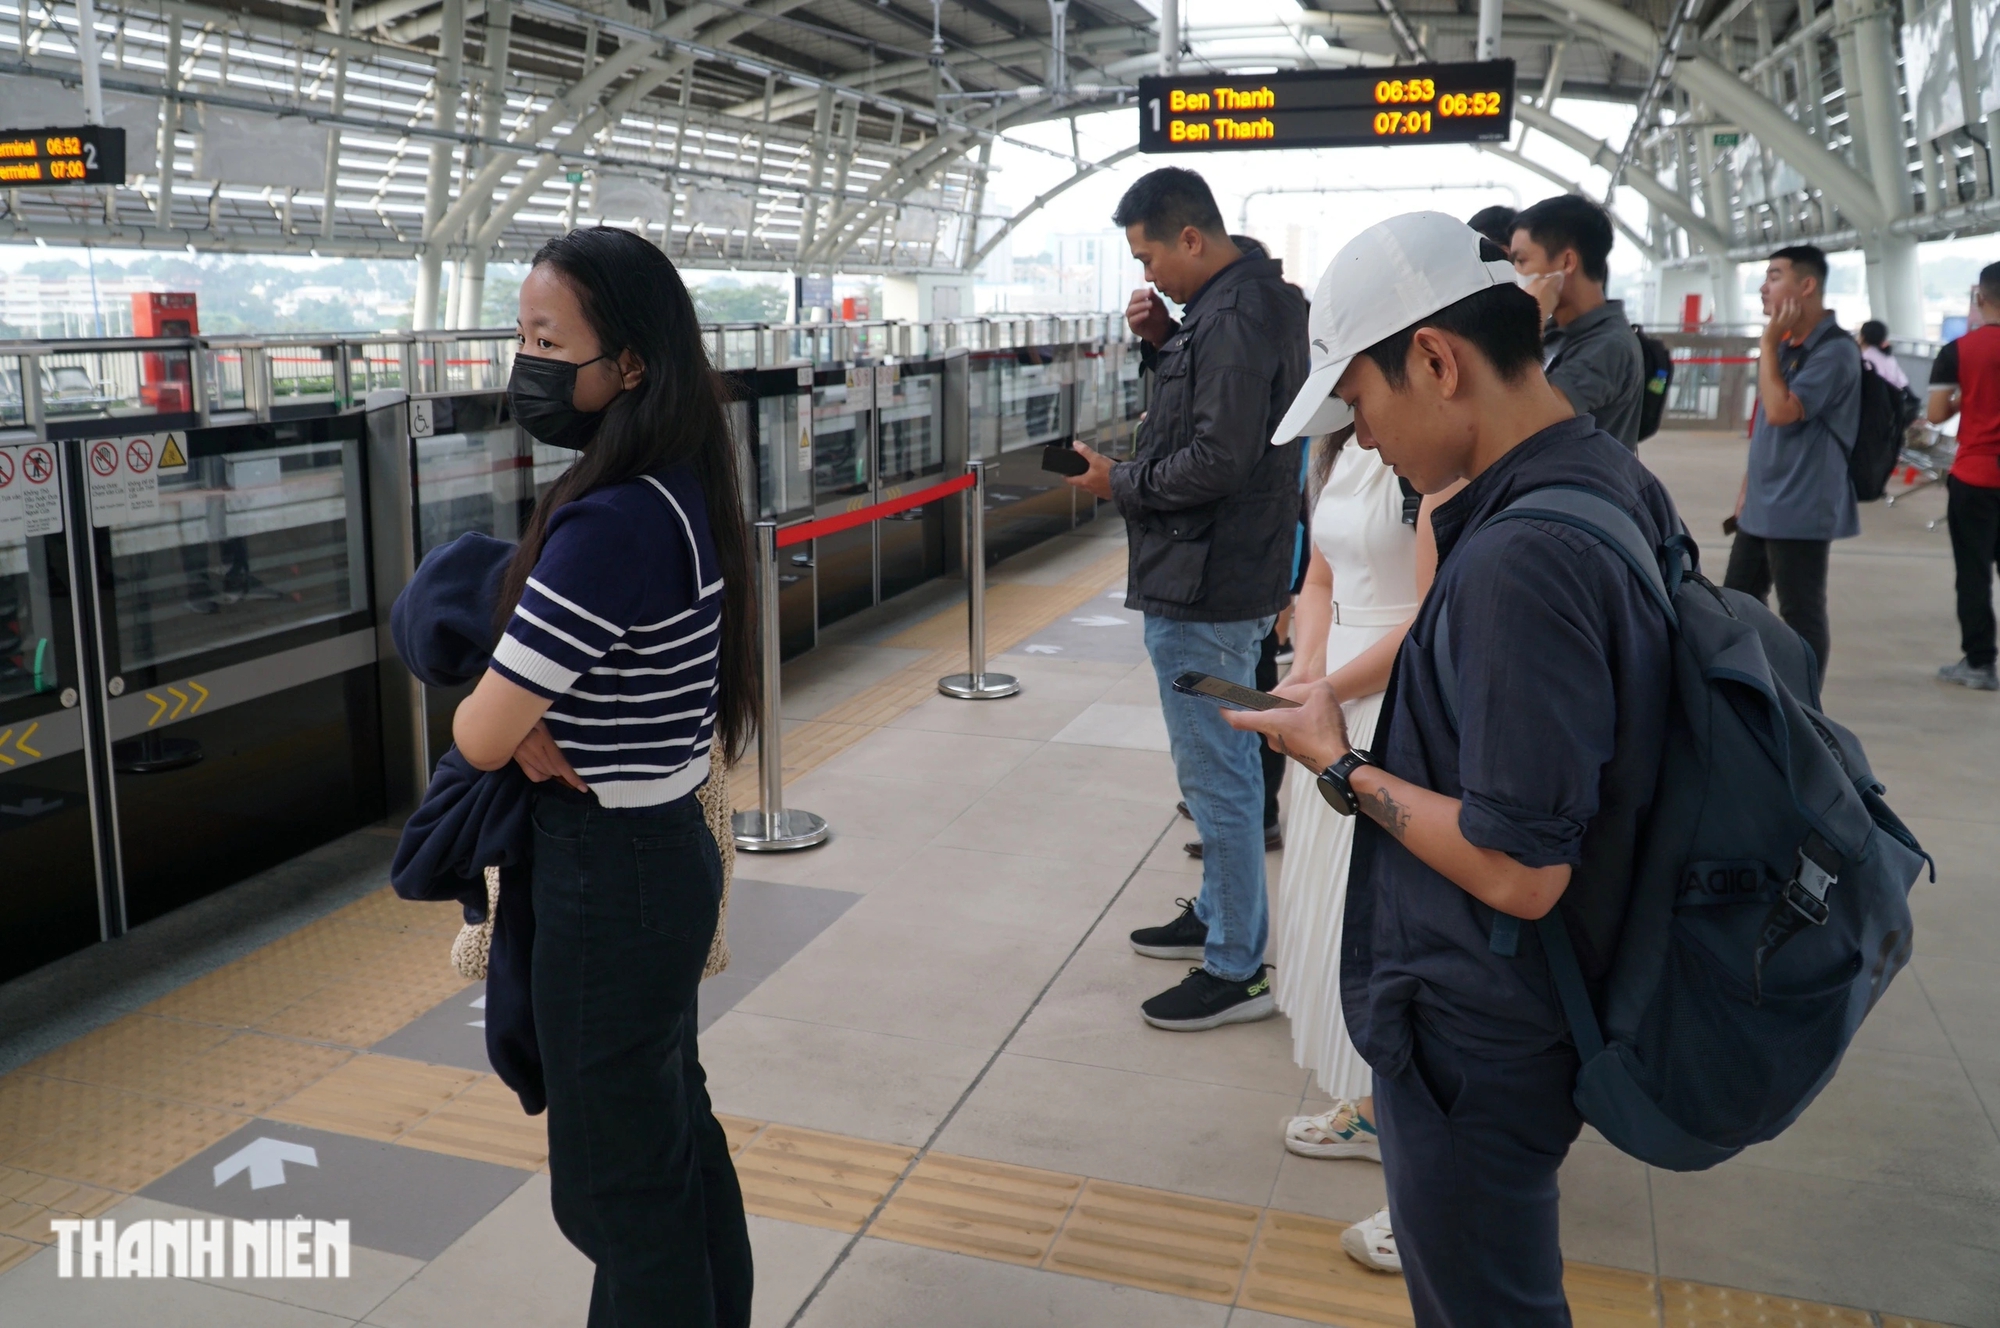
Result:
[[1369, 570]]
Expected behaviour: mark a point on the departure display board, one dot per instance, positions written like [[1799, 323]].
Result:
[[89, 154], [1328, 108]]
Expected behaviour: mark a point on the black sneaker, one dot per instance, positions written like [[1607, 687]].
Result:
[[1203, 1000], [1186, 937], [1274, 839]]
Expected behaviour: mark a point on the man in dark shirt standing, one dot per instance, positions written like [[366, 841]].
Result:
[[1590, 354], [1209, 511], [1525, 797]]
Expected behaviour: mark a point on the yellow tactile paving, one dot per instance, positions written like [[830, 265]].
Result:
[[1298, 1269], [1611, 1297], [360, 1012], [739, 1131], [1896, 1321], [486, 1124], [127, 1143], [987, 1209], [384, 909], [33, 1106], [1694, 1305], [374, 1097], [1176, 1243], [239, 995], [29, 1201], [131, 1053], [249, 1072], [822, 1180]]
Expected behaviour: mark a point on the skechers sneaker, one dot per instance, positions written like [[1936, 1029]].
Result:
[[1339, 1131], [1186, 937], [1203, 1001], [1372, 1244], [1979, 678]]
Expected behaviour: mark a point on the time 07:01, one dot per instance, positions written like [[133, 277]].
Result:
[[1403, 122]]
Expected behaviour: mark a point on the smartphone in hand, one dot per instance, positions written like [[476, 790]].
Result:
[[1228, 694], [1064, 459]]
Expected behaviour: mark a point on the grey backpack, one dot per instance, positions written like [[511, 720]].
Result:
[[1770, 905]]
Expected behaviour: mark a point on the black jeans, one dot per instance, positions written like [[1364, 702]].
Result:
[[1798, 569], [1274, 762], [1972, 514], [1470, 1151], [625, 906]]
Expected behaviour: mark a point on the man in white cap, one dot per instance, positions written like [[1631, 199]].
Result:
[[1524, 797]]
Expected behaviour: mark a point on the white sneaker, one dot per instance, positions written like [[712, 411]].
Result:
[[1339, 1131], [1371, 1244]]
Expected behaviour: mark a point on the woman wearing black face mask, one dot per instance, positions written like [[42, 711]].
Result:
[[626, 651]]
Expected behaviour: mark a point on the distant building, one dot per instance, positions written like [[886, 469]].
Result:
[[70, 306]]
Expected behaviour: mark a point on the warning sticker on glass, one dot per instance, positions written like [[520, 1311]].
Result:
[[124, 477], [30, 493]]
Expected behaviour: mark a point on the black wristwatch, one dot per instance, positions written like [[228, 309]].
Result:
[[1333, 785]]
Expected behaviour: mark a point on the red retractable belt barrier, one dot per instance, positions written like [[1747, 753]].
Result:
[[833, 525]]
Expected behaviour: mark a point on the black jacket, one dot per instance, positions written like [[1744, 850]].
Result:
[[1209, 504], [469, 819]]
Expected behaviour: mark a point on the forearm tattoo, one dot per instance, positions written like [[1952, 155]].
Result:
[[1382, 808]]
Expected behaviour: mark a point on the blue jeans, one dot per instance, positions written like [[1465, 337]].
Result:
[[1222, 781]]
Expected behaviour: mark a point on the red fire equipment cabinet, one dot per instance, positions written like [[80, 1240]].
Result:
[[164, 380]]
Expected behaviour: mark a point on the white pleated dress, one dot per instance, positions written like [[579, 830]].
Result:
[[1357, 526]]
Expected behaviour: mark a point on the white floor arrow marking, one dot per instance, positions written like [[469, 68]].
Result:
[[264, 1158]]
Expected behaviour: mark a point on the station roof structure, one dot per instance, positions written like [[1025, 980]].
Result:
[[854, 135]]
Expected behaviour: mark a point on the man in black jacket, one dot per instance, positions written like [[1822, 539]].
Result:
[[1209, 507]]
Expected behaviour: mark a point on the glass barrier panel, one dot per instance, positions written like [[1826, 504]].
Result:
[[225, 381], [36, 647], [13, 401], [479, 472], [1031, 403], [116, 383], [912, 436], [259, 534], [302, 373], [470, 366], [982, 391], [840, 442], [784, 456], [377, 365]]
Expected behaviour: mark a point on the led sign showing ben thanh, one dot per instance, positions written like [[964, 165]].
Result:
[[1329, 108], [88, 154]]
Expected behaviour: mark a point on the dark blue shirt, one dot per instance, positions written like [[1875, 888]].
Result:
[[1563, 677]]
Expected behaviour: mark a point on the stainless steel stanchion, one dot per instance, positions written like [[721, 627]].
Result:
[[772, 828], [977, 684]]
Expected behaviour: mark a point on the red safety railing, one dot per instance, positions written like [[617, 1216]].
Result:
[[861, 516]]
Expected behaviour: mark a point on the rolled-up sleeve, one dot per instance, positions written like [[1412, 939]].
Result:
[[1536, 695]]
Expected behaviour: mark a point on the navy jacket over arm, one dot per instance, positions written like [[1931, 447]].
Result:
[[470, 819]]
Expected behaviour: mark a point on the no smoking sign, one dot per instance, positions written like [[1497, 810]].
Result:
[[124, 482]]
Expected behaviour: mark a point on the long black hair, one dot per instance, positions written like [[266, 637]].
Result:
[[635, 301]]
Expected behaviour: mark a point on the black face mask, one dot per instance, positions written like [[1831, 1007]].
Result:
[[542, 391]]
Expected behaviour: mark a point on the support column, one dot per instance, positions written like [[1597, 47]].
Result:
[[1895, 287], [809, 213], [451, 70], [1488, 47], [1895, 284], [970, 245], [86, 55], [1170, 37], [492, 106], [343, 24], [170, 118], [1726, 291]]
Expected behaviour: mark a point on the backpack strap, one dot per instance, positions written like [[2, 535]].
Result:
[[1568, 977], [1594, 514]]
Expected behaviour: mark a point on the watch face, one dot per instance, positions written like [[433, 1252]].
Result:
[[1338, 796]]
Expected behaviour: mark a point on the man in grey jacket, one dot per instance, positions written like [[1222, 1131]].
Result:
[[1210, 508]]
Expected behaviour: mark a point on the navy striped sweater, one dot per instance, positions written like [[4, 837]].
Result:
[[619, 627]]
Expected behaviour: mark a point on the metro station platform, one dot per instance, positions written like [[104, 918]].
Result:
[[946, 1107]]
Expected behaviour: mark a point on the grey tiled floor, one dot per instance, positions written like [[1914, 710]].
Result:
[[969, 987]]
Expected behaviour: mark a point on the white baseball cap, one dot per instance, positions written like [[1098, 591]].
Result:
[[1383, 280]]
